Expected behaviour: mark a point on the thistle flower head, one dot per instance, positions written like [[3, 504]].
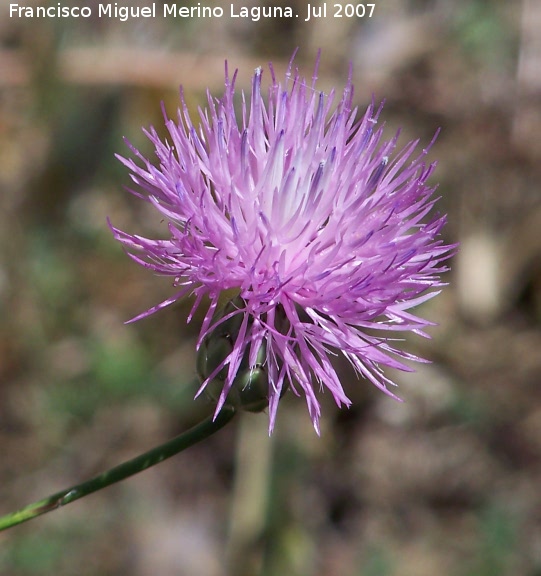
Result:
[[322, 230]]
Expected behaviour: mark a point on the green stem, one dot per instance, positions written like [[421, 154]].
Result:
[[155, 456]]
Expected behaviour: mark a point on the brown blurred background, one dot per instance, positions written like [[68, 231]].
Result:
[[445, 483]]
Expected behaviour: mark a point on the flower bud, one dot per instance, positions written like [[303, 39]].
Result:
[[250, 389]]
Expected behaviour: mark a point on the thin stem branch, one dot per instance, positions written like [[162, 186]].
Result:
[[122, 471]]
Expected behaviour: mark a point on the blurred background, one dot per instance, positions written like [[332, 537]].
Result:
[[445, 483]]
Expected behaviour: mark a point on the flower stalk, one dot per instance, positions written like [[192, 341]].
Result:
[[199, 432]]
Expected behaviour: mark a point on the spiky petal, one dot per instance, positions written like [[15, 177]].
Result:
[[320, 227]]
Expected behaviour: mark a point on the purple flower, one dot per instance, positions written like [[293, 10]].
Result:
[[299, 207]]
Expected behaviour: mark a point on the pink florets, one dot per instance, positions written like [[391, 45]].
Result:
[[303, 210]]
